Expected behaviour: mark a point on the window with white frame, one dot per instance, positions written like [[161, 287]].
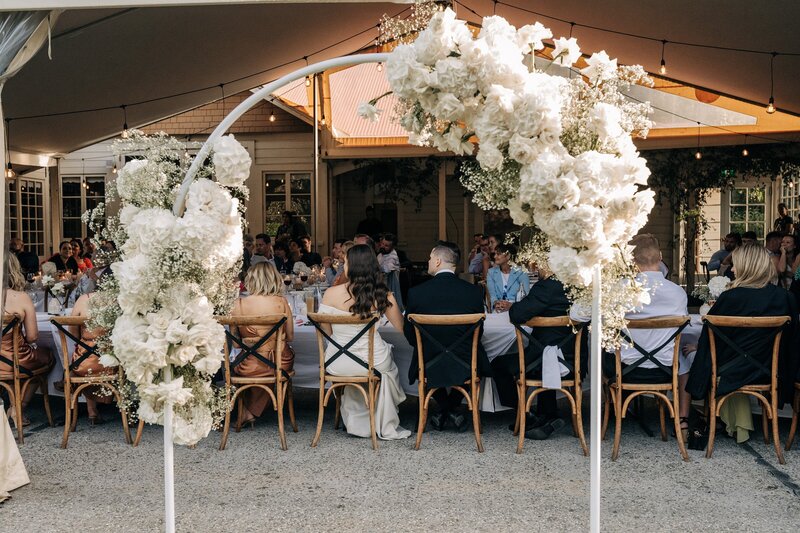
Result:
[[790, 195], [25, 214], [278, 197], [747, 210], [79, 193]]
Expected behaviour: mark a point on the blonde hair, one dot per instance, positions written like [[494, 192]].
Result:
[[263, 279], [16, 281], [754, 266], [346, 246], [647, 251]]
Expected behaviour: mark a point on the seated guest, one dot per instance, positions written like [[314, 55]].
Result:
[[732, 240], [476, 261], [64, 260], [84, 263], [504, 281], [265, 286], [752, 293], [307, 256], [341, 277], [30, 356], [488, 259], [90, 366], [283, 261], [28, 260], [362, 238], [749, 237], [365, 295], [387, 258], [262, 249], [445, 294], [772, 242], [547, 298], [788, 261]]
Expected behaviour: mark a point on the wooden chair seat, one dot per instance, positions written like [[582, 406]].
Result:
[[277, 386], [81, 383], [571, 388], [470, 388], [17, 382], [759, 391], [616, 389], [330, 378]]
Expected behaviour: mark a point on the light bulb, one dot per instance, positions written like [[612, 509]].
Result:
[[745, 152], [698, 155], [380, 67], [771, 105], [125, 131], [322, 121], [663, 68], [272, 117], [10, 171], [114, 170], [308, 81]]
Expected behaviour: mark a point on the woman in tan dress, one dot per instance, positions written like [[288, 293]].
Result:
[[31, 357], [264, 285], [91, 365]]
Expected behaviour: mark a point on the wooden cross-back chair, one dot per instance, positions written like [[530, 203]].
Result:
[[474, 321], [616, 387], [367, 384], [795, 413], [17, 381], [277, 386], [80, 383], [574, 396], [758, 391]]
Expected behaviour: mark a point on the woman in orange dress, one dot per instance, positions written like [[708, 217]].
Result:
[[264, 285], [90, 366], [84, 263], [30, 356]]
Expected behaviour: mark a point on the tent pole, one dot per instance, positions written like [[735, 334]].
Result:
[[597, 335], [169, 471]]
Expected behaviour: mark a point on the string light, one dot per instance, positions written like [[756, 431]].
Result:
[[125, 133], [771, 104], [745, 152], [9, 169], [380, 66], [114, 170], [272, 116], [322, 120], [663, 68], [698, 154]]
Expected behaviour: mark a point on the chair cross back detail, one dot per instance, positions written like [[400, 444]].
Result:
[[649, 355], [345, 350], [90, 350], [534, 343], [446, 350], [741, 354], [15, 322], [247, 351]]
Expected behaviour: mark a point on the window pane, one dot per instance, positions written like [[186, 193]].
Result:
[[273, 215], [756, 213], [97, 186], [739, 196], [70, 186], [275, 184], [71, 228], [758, 228], [738, 214], [72, 208], [301, 183], [757, 195], [302, 206]]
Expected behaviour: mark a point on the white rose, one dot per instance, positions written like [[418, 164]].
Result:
[[182, 354], [566, 51], [600, 67], [231, 162], [187, 431], [524, 150], [489, 157], [529, 37], [567, 192], [368, 111], [209, 364], [448, 107], [605, 119]]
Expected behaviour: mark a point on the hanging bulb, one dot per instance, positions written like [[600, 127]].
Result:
[[380, 67], [745, 153], [124, 122], [322, 120], [125, 133], [272, 116], [771, 105], [663, 68], [114, 170], [308, 81], [10, 171], [698, 155]]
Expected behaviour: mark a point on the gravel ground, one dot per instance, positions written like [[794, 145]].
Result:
[[102, 484]]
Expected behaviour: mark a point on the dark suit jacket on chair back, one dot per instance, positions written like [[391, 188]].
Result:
[[445, 294]]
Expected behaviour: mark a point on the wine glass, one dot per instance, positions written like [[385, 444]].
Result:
[[287, 280], [304, 277]]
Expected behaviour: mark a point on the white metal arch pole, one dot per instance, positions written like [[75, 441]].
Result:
[[594, 434], [180, 201]]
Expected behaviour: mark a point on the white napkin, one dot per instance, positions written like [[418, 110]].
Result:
[[552, 369]]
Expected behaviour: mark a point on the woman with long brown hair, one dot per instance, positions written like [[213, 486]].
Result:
[[364, 295]]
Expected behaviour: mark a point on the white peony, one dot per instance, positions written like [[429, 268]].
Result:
[[530, 36], [717, 285], [566, 51], [605, 119], [190, 430], [448, 107], [231, 162], [368, 111], [600, 67]]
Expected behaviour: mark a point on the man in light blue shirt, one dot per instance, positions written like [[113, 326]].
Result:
[[732, 240], [476, 261]]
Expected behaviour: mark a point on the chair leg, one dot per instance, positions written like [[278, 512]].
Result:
[[476, 417], [46, 398], [226, 427], [139, 430], [765, 425], [67, 417], [338, 413], [617, 424], [239, 413], [662, 419], [125, 427], [793, 428], [320, 414], [678, 432], [520, 407], [423, 418], [608, 405], [371, 393], [279, 400], [290, 398], [712, 426], [75, 412], [776, 437], [522, 414], [579, 422]]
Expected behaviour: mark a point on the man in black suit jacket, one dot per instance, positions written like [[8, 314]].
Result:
[[547, 298], [445, 294]]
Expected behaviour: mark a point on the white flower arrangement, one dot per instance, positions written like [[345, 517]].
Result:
[[301, 268], [159, 309], [557, 152]]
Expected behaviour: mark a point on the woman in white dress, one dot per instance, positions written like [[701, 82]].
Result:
[[364, 295]]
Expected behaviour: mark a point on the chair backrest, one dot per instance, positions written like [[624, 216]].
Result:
[[487, 298], [549, 322], [678, 322], [419, 322], [233, 340], [13, 324], [62, 323], [706, 273], [775, 323], [370, 325]]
